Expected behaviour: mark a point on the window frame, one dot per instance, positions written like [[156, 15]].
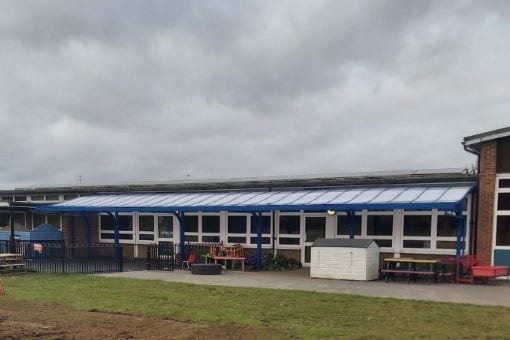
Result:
[[121, 232], [298, 236]]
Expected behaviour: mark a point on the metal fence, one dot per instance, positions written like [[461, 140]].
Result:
[[58, 257], [169, 256]]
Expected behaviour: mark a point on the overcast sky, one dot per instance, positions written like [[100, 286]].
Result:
[[158, 90]]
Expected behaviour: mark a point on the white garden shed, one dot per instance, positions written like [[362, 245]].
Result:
[[345, 259]]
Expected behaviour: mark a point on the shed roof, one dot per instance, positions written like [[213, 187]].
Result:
[[475, 140], [445, 197], [343, 243]]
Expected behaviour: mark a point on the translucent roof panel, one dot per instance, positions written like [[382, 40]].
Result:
[[444, 197]]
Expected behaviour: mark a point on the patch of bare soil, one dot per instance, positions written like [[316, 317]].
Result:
[[29, 320]]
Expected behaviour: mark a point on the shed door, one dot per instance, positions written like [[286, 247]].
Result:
[[315, 227]]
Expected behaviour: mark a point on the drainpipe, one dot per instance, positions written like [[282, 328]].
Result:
[[473, 219]]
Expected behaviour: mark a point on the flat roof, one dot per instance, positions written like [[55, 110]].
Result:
[[479, 138], [383, 178], [417, 197]]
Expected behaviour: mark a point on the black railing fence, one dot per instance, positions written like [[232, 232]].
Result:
[[168, 255], [59, 257]]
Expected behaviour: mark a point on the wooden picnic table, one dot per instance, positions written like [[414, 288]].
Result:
[[11, 263], [410, 267]]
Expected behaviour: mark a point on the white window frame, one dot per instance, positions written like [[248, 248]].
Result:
[[395, 232], [296, 236], [498, 213], [246, 234], [156, 227], [200, 227], [140, 232], [124, 232], [253, 233], [198, 233], [337, 235]]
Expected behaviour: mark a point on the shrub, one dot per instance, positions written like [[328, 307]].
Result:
[[279, 262]]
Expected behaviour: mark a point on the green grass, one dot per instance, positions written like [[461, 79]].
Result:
[[292, 313]]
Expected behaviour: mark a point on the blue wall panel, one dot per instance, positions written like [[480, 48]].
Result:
[[501, 257]]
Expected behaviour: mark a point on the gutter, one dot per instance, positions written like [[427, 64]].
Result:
[[473, 223]]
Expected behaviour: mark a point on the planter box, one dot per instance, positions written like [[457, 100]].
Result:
[[489, 271]]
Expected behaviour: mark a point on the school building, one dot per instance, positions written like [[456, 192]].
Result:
[[424, 212]]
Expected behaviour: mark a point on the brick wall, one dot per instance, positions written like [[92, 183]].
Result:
[[487, 188], [75, 229]]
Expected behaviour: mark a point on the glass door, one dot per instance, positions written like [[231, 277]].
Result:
[[315, 227], [165, 224]]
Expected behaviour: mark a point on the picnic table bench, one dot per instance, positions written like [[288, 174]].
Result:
[[11, 263], [234, 254], [411, 268]]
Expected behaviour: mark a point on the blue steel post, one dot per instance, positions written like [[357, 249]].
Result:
[[461, 233], [12, 247], [258, 226], [182, 230], [351, 222], [117, 237], [88, 227]]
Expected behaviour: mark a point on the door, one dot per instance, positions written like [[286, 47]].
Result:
[[165, 228], [315, 227]]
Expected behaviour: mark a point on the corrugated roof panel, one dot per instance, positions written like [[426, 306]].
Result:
[[347, 196], [430, 195], [410, 197], [327, 197], [387, 195]]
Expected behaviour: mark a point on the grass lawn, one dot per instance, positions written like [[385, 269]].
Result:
[[288, 313]]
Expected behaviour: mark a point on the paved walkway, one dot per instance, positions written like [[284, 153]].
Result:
[[495, 293]]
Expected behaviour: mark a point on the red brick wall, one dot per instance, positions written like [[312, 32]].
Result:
[[75, 224], [487, 188]]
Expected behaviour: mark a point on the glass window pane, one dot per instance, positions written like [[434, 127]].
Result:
[[503, 231], [5, 220], [504, 201], [504, 183], [241, 240], [266, 225], [126, 223], [125, 236], [446, 225], [191, 224], [146, 223], [52, 197], [38, 219], [289, 225], [416, 244], [106, 222], [19, 221], [446, 245], [54, 220], [146, 237], [381, 225], [384, 243], [308, 254], [215, 239], [417, 225], [166, 226], [70, 197], [263, 240], [191, 238], [210, 224], [289, 240], [237, 225], [37, 197], [343, 223], [20, 198], [107, 236], [315, 227]]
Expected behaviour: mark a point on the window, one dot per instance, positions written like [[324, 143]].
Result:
[[504, 183], [211, 228], [417, 225], [343, 225], [380, 225], [68, 197], [504, 201], [52, 197], [315, 227], [54, 220], [191, 228], [146, 227], [503, 230], [38, 219], [446, 226], [20, 198], [289, 230], [19, 221], [166, 227], [265, 230], [237, 228], [106, 227], [39, 198]]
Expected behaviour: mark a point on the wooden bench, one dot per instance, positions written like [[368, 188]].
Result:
[[11, 263], [234, 254]]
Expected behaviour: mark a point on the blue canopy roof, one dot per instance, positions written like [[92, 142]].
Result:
[[419, 197]]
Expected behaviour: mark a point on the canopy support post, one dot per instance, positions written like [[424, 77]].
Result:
[[461, 233], [12, 249], [182, 232], [258, 227], [88, 225], [351, 222]]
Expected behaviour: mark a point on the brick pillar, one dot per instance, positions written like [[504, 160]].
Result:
[[487, 192]]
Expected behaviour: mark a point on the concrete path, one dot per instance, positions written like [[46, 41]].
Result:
[[495, 293]]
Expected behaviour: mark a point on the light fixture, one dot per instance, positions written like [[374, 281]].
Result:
[[331, 212]]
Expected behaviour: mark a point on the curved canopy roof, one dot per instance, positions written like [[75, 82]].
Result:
[[420, 197]]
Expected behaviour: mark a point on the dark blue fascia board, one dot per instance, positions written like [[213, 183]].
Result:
[[450, 206]]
